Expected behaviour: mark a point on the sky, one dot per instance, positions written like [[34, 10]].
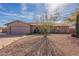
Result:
[[28, 12]]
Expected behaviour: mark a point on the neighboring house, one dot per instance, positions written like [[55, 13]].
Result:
[[1, 29], [19, 27], [4, 30]]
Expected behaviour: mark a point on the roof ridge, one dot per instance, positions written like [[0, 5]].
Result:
[[16, 21]]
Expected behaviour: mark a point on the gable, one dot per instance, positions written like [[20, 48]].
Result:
[[18, 24]]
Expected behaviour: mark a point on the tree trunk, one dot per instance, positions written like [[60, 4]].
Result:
[[77, 25], [45, 35]]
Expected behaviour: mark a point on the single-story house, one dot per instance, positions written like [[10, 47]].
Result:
[[4, 30], [19, 27]]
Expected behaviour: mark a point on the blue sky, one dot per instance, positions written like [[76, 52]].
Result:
[[28, 12]]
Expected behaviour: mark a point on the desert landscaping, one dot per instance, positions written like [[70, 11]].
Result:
[[6, 39], [35, 45], [42, 29]]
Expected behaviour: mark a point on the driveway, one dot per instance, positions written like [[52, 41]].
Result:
[[6, 39], [3, 33]]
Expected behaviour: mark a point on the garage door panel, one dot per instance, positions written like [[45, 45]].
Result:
[[20, 30]]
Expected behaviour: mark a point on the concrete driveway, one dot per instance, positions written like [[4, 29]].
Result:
[[6, 39]]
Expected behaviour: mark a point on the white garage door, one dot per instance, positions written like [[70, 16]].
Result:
[[20, 30]]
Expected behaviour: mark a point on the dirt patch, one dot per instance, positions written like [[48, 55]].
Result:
[[20, 47], [58, 45]]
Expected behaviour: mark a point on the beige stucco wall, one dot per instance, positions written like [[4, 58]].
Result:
[[27, 30], [60, 29], [57, 29], [12, 28]]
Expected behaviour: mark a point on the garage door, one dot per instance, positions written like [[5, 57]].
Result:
[[20, 30]]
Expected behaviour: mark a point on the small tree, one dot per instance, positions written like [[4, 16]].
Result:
[[45, 24]]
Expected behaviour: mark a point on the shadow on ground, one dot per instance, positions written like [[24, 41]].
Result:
[[5, 35]]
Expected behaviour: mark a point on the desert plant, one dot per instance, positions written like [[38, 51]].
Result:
[[74, 18]]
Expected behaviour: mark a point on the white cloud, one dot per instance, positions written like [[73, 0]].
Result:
[[8, 14], [59, 21], [23, 8], [24, 12], [54, 7], [30, 15], [38, 16], [26, 16]]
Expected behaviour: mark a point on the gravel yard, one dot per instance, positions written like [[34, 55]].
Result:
[[36, 45]]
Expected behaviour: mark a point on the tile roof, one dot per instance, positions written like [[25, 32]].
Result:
[[56, 24]]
